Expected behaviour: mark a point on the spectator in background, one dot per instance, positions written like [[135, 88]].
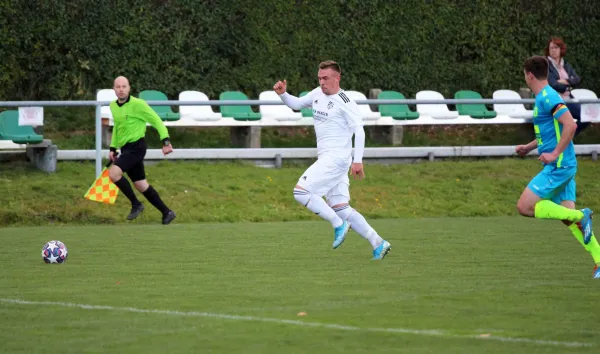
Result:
[[562, 77]]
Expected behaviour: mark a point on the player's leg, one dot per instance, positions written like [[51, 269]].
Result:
[[567, 199], [339, 199], [535, 199], [142, 185], [124, 163], [311, 187], [138, 175]]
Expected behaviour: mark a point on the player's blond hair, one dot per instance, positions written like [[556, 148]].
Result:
[[330, 64]]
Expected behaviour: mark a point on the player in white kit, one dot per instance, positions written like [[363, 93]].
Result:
[[336, 119]]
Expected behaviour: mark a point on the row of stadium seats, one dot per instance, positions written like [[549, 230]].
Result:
[[395, 114]]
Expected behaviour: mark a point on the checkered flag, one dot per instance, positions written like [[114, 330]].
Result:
[[103, 189]]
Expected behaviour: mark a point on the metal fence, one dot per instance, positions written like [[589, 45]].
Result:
[[99, 104]]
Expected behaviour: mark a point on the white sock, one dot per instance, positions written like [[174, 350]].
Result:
[[318, 206], [359, 224]]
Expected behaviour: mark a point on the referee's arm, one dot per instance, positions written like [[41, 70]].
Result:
[[148, 114], [113, 139]]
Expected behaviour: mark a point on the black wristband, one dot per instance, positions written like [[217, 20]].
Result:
[[113, 149], [166, 141]]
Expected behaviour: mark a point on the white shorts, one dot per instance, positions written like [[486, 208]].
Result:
[[327, 177]]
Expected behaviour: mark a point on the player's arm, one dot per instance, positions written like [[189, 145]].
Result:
[[355, 122], [573, 79], [291, 101], [148, 115], [113, 138], [523, 150], [359, 144], [112, 155], [532, 145], [558, 86], [296, 103], [562, 114]]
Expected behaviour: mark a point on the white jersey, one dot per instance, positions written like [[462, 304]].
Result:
[[335, 119]]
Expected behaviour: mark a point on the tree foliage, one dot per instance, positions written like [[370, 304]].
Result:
[[67, 50]]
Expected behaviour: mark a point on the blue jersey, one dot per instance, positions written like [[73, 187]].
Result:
[[549, 106]]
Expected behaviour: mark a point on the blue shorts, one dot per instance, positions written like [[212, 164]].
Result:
[[556, 184]]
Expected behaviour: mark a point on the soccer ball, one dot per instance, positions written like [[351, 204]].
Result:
[[54, 252]]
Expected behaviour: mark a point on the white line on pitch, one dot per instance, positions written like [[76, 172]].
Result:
[[434, 332]]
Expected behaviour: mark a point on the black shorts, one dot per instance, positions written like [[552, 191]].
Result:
[[131, 160]]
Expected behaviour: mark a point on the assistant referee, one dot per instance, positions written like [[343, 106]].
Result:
[[130, 115]]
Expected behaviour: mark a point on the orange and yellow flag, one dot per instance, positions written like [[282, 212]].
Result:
[[103, 190]]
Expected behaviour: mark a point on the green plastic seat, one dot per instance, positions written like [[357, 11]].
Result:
[[237, 112], [478, 110], [164, 112], [19, 134], [396, 111], [306, 112]]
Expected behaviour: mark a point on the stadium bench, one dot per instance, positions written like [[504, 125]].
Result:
[[278, 113], [396, 111], [11, 130], [244, 113], [199, 113], [106, 95], [40, 151], [478, 111], [365, 110], [435, 111], [164, 112], [512, 110], [244, 122]]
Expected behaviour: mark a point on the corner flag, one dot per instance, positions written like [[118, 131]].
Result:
[[103, 189]]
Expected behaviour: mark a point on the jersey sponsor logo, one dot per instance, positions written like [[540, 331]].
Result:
[[344, 97], [318, 115], [330, 105]]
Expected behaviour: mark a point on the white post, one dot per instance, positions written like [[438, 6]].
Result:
[[98, 142]]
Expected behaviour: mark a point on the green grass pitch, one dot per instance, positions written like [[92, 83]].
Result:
[[449, 285]]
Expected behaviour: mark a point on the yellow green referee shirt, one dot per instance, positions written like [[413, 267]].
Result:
[[130, 119]]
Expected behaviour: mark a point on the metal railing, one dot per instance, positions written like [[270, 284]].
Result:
[[99, 104]]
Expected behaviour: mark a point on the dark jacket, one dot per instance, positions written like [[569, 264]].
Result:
[[554, 76]]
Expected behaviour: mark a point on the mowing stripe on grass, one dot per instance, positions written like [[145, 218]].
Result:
[[434, 332]]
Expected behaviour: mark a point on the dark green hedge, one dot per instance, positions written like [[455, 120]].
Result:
[[65, 50]]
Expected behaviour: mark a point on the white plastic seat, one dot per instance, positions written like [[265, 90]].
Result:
[[584, 94], [513, 110], [204, 112], [277, 112], [365, 109], [106, 95], [436, 111], [590, 112]]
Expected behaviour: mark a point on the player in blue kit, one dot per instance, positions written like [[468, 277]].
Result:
[[551, 194]]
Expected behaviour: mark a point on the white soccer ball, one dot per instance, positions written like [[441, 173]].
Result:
[[54, 252]]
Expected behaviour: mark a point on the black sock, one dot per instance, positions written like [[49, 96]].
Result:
[[152, 195], [125, 187]]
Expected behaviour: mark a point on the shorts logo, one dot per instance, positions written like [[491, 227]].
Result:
[[304, 178], [316, 101], [330, 105]]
